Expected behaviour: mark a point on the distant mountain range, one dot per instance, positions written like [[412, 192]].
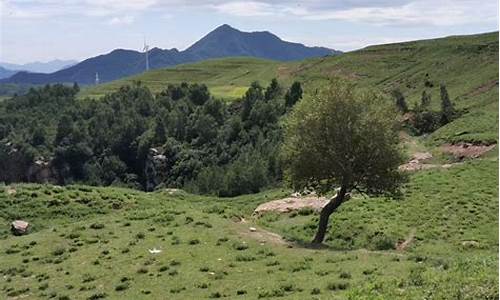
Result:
[[224, 41], [40, 67], [5, 73]]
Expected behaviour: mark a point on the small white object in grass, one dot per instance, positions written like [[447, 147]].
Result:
[[219, 259], [211, 273], [154, 251], [252, 229]]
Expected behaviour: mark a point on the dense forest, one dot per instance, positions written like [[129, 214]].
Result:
[[180, 137]]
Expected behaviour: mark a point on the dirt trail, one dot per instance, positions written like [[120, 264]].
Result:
[[246, 229], [404, 244]]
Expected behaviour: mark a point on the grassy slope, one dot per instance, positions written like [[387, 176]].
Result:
[[227, 78], [467, 64], [443, 208], [65, 256]]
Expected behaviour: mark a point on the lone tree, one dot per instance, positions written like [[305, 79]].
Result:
[[400, 100], [447, 109], [425, 100], [342, 139], [293, 95]]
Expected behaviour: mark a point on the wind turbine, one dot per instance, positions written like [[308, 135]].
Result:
[[146, 50]]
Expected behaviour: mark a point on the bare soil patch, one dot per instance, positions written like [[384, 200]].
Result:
[[402, 245], [246, 229], [483, 88], [466, 150], [417, 162]]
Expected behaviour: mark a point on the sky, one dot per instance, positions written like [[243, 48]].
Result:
[[42, 30]]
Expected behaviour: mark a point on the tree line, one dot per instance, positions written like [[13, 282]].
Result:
[[209, 146]]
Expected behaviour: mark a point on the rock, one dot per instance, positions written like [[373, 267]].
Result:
[[19, 227], [470, 244], [154, 251], [290, 204]]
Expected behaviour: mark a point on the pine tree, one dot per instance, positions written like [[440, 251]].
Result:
[[293, 95], [400, 101], [426, 99], [447, 109]]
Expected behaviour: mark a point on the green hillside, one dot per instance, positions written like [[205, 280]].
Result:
[[92, 243], [438, 240], [227, 78], [468, 65]]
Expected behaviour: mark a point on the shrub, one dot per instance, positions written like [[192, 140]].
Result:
[[122, 286], [333, 286], [97, 226]]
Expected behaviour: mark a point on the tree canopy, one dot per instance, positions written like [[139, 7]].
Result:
[[342, 138]]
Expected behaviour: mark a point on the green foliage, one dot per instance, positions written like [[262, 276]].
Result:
[[400, 101], [343, 137], [294, 94], [447, 109], [426, 99], [207, 143]]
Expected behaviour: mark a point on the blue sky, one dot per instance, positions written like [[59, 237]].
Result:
[[41, 30]]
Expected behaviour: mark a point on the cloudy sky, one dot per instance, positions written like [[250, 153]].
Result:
[[41, 30]]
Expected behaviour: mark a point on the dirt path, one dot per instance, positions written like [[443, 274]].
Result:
[[404, 244], [246, 229]]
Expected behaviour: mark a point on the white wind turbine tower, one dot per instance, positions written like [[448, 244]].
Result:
[[146, 50]]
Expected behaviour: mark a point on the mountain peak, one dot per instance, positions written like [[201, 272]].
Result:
[[223, 41], [225, 27]]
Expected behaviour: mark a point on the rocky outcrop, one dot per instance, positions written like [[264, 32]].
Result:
[[19, 227], [155, 168], [16, 166], [13, 163], [42, 171]]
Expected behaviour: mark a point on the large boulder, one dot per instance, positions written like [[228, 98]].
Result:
[[19, 227]]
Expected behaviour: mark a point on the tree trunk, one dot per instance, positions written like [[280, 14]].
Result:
[[325, 215]]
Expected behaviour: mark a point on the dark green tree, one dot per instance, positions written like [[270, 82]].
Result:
[[400, 100], [344, 139], [273, 91], [447, 109], [425, 100], [293, 95]]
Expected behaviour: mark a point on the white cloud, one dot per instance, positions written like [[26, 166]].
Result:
[[408, 13], [443, 13], [379, 12], [247, 8], [125, 20]]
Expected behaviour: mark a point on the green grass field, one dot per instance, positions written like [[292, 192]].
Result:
[[226, 78], [94, 242]]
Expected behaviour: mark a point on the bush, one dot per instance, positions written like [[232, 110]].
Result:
[[382, 242]]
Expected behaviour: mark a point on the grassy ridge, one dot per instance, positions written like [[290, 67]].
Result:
[[208, 253], [226, 78], [468, 65]]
